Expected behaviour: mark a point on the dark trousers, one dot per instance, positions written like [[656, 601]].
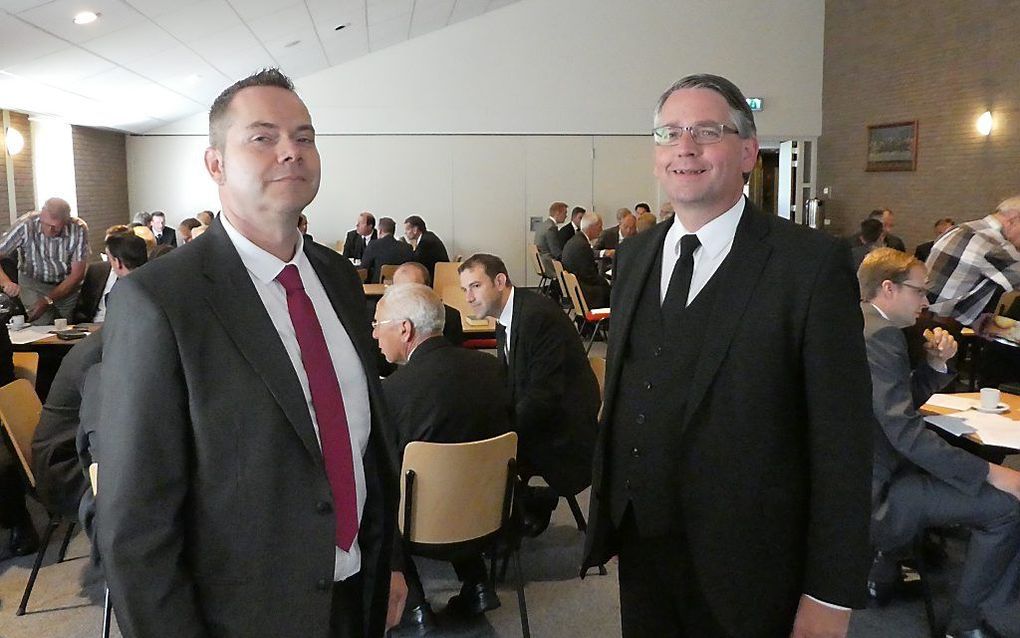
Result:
[[659, 593], [12, 489], [347, 616], [991, 571], [470, 569]]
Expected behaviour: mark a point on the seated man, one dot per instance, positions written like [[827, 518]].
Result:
[[557, 238], [941, 227], [164, 236], [428, 247], [579, 259], [414, 273], [919, 479], [870, 238], [443, 394], [122, 256], [186, 227], [358, 239], [385, 251]]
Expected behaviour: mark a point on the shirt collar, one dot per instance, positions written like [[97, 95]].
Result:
[[507, 315], [879, 311], [263, 265], [714, 236], [994, 222]]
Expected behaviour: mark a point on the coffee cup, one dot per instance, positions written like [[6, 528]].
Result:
[[18, 320], [60, 323], [990, 398]]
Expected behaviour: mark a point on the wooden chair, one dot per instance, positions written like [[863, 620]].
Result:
[[536, 264], [593, 318], [19, 413], [445, 275], [386, 273], [456, 497], [363, 274], [26, 366], [1006, 301], [598, 366], [339, 246]]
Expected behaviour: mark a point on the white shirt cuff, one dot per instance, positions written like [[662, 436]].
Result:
[[829, 605], [939, 366]]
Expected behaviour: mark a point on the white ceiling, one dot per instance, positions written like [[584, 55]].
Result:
[[145, 63]]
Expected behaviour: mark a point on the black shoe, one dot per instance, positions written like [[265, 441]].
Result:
[[24, 540], [473, 599], [883, 579], [420, 620], [976, 632]]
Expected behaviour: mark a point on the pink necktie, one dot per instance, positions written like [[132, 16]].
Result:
[[334, 435]]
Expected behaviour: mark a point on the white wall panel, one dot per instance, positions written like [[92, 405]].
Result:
[[623, 175]]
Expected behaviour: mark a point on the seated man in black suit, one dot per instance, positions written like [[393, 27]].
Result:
[[868, 239], [428, 248], [164, 236], [626, 226], [185, 228], [579, 259], [443, 394], [919, 479], [124, 252], [557, 238], [359, 238], [941, 226], [385, 251], [553, 391], [414, 273]]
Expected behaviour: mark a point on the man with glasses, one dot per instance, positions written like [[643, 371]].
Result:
[[53, 251], [732, 473], [919, 479]]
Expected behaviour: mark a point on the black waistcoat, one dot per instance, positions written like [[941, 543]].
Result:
[[659, 359]]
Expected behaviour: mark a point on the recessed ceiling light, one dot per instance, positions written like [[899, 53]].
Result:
[[292, 43], [85, 17], [342, 26]]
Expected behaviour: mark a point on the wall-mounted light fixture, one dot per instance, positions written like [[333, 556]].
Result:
[[984, 123], [14, 141]]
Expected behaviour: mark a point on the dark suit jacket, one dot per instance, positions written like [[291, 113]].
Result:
[[579, 259], [542, 234], [91, 292], [213, 515], [557, 238], [168, 238], [430, 249], [446, 394], [608, 239], [902, 441], [453, 328], [553, 392], [774, 481], [354, 244], [385, 251], [923, 250]]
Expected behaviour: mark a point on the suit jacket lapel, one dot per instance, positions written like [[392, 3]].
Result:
[[515, 332], [741, 272], [237, 305]]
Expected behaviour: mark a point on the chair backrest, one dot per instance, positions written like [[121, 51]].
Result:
[[339, 246], [598, 366], [363, 274], [458, 490], [558, 270], [19, 412], [576, 295], [386, 273], [546, 261], [26, 366], [536, 263], [445, 275], [94, 478]]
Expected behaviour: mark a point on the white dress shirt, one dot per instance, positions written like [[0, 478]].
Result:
[[505, 319], [263, 269], [716, 239], [101, 308]]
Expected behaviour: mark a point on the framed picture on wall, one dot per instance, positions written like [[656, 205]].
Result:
[[892, 147]]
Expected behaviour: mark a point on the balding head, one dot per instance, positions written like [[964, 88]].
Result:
[[1008, 214], [412, 273], [54, 215]]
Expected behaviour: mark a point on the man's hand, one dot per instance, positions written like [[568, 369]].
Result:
[[1004, 479], [12, 289], [37, 309], [609, 252], [398, 596], [939, 346], [815, 620]]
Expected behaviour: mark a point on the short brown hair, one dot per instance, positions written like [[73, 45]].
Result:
[[218, 112], [555, 206], [491, 264], [884, 264]]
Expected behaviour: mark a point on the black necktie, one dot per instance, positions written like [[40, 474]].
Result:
[[501, 344], [680, 282]]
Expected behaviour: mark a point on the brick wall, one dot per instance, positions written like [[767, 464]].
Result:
[[100, 173], [942, 63], [23, 180]]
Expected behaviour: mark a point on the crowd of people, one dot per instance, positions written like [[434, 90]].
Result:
[[758, 464]]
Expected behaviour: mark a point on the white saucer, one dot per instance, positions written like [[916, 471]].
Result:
[[20, 326], [999, 409]]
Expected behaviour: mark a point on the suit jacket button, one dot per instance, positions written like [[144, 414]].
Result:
[[648, 385], [640, 419], [323, 507], [635, 453], [323, 584], [627, 483], [658, 352]]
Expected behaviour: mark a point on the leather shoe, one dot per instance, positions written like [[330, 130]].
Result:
[[473, 599], [420, 620], [976, 632], [884, 579], [24, 540]]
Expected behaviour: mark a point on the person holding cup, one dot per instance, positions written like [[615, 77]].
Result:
[[919, 479]]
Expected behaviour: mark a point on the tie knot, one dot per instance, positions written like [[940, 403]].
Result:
[[688, 244], [290, 278]]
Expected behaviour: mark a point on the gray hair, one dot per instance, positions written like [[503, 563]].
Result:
[[740, 112], [589, 220], [418, 304], [1009, 205]]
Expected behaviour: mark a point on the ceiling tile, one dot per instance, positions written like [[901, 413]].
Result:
[[466, 9], [431, 16], [254, 9], [282, 24], [330, 13], [225, 47], [386, 10], [127, 45], [14, 6], [388, 33], [496, 4], [57, 18], [199, 21], [23, 42], [245, 62], [63, 68], [307, 43], [153, 8]]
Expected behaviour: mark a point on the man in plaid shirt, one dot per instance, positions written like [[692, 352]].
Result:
[[972, 264], [53, 250]]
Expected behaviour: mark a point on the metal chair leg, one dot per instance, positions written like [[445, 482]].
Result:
[[107, 609], [922, 571], [50, 528], [67, 541], [521, 603], [575, 509]]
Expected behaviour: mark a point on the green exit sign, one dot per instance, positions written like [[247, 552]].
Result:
[[756, 103]]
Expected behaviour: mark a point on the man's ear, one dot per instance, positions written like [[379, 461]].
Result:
[[214, 164]]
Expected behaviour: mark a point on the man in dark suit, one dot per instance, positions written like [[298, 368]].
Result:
[[870, 238], [256, 497], [414, 273], [611, 238], [732, 472], [443, 394], [920, 480], [164, 236], [553, 391], [357, 240], [579, 259], [558, 238], [557, 215], [941, 226], [124, 253], [385, 251], [428, 248]]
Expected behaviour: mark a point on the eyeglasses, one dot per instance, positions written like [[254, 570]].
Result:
[[376, 324], [702, 133], [921, 290]]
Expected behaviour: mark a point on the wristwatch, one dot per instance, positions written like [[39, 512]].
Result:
[[49, 302]]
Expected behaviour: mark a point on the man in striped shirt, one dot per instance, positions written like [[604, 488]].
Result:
[[972, 264], [53, 249]]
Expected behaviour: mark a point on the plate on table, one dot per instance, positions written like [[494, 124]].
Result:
[[999, 409], [18, 326]]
